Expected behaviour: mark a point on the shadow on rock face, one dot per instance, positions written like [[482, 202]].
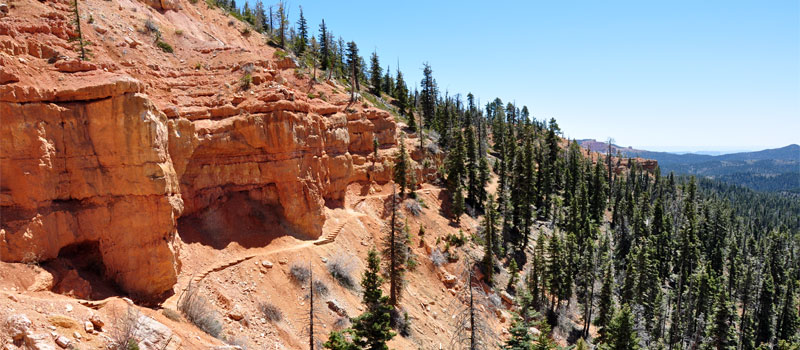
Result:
[[235, 218]]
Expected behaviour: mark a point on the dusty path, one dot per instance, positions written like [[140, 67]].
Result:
[[259, 253]]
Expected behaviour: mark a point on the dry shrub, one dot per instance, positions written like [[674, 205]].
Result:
[[124, 335], [196, 308], [437, 258], [172, 315], [271, 312], [342, 271], [299, 274], [320, 288]]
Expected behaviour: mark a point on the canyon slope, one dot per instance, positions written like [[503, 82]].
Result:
[[119, 150]]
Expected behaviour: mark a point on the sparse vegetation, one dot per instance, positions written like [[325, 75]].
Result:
[[172, 315], [245, 81], [437, 258], [342, 271], [164, 46], [413, 207], [300, 274], [197, 310], [179, 32], [125, 332], [80, 43], [320, 288], [271, 312]]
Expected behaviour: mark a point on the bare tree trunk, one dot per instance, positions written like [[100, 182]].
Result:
[[392, 247], [311, 310], [472, 343]]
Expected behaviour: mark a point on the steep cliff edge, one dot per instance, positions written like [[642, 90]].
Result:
[[126, 149]]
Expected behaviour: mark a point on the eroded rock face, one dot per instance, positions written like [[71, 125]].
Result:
[[90, 167], [121, 153]]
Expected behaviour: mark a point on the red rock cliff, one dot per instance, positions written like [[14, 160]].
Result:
[[119, 149]]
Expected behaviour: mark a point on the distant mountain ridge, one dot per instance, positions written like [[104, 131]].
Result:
[[772, 170]]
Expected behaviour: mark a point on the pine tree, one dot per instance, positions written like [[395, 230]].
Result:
[[621, 334], [283, 22], [428, 96], [324, 47], [260, 17], [471, 167], [387, 85], [337, 340], [401, 168], [490, 237], [606, 306], [789, 323], [375, 74], [458, 203], [765, 329], [396, 253], [372, 329], [401, 97], [720, 332], [353, 61], [543, 340], [520, 338]]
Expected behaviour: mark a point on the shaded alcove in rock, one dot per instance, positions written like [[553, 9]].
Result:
[[250, 218], [79, 272]]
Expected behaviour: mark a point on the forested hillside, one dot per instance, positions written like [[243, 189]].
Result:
[[770, 170], [651, 261]]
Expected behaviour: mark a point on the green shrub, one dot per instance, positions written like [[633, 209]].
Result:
[[164, 46], [246, 81]]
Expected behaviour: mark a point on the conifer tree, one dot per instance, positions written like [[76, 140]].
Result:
[[765, 329], [520, 338], [720, 332], [396, 253], [387, 84], [490, 237], [353, 62], [789, 324], [283, 22], [400, 91], [324, 47], [428, 96], [621, 334], [372, 329], [606, 304], [375, 75], [401, 167], [473, 181]]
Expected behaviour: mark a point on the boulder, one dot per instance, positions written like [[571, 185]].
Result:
[[449, 280], [335, 307], [236, 313], [152, 334], [38, 341], [17, 326], [75, 65], [63, 342], [97, 322], [7, 77]]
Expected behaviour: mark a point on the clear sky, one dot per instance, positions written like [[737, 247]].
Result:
[[661, 75]]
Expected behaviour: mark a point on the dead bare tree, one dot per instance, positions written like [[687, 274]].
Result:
[[315, 288], [471, 332], [125, 331]]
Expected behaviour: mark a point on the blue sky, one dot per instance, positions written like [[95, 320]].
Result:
[[663, 75]]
